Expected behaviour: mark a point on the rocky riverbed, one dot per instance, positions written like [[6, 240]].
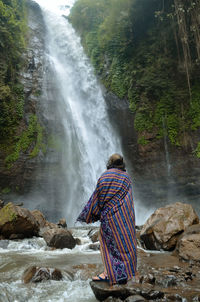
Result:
[[163, 277], [59, 273]]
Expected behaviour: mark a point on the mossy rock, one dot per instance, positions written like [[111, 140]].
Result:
[[15, 220], [7, 214]]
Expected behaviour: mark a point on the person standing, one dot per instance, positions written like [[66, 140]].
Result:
[[112, 204]]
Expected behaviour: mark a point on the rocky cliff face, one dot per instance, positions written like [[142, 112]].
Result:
[[161, 173], [38, 176], [17, 178]]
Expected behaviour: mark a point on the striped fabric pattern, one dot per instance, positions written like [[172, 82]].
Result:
[[112, 204]]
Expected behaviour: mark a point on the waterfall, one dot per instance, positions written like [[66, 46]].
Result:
[[75, 110], [166, 148], [172, 194]]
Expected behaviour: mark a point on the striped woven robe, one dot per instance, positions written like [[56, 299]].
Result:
[[112, 204]]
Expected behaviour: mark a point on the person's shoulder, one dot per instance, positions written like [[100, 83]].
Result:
[[114, 172]]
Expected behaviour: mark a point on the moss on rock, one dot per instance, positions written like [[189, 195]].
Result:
[[7, 214]]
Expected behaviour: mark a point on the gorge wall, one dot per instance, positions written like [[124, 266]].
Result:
[[22, 140], [161, 174]]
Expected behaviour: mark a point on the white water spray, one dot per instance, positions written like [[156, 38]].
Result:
[[87, 137]]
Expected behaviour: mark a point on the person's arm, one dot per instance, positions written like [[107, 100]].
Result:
[[91, 212]]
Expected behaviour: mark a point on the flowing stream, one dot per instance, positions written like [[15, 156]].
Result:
[[74, 107], [16, 256]]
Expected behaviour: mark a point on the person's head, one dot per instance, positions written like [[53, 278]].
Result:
[[116, 161]]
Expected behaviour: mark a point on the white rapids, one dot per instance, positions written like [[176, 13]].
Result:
[[16, 256]]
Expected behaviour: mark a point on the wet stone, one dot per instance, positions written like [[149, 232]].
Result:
[[174, 297], [59, 238], [135, 298], [111, 299], [152, 294], [167, 281], [78, 241], [62, 223], [38, 274], [94, 235], [102, 291], [148, 279], [94, 246]]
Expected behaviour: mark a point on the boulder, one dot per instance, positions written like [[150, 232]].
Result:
[[44, 224], [165, 225], [38, 274], [102, 290], [94, 246], [39, 217], [78, 241], [15, 220], [59, 238], [94, 235], [62, 223], [188, 245]]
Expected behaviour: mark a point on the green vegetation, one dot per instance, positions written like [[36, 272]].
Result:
[[6, 190], [197, 151], [12, 44], [30, 140], [149, 52], [8, 214], [16, 135]]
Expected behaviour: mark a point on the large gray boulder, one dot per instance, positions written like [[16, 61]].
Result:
[[17, 222], [165, 225], [59, 238], [188, 245]]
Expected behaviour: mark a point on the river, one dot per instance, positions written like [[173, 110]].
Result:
[[16, 256]]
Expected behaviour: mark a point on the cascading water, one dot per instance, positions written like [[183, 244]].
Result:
[[74, 107], [166, 149], [171, 186]]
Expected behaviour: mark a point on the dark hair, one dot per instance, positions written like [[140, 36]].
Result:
[[116, 161]]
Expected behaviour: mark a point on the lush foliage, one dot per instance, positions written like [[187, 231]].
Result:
[[149, 52], [30, 140], [12, 43], [16, 135]]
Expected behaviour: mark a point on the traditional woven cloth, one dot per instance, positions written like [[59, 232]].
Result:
[[112, 204]]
